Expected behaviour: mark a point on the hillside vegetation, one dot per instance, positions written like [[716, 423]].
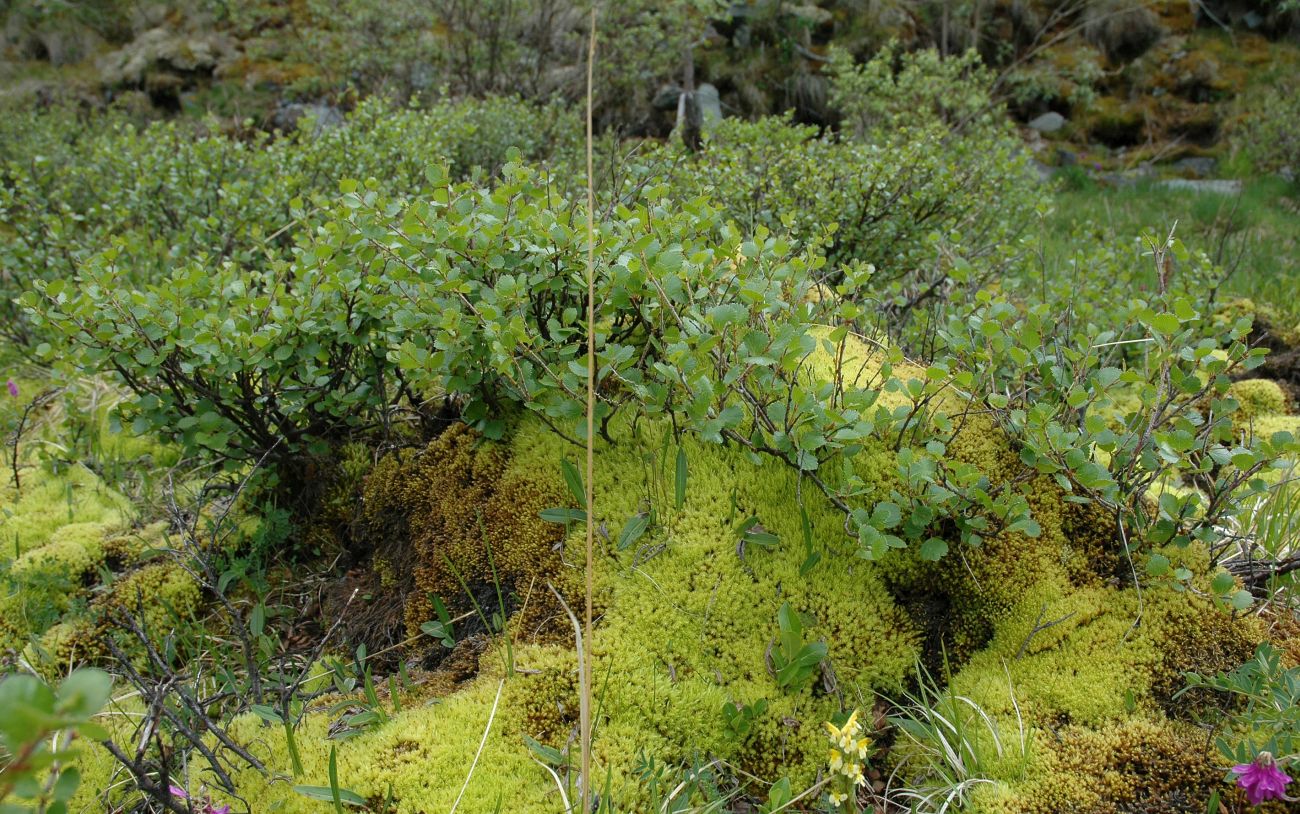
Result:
[[849, 406]]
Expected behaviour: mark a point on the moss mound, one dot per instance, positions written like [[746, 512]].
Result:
[[1050, 640]]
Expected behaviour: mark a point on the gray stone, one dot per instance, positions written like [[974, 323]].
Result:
[[1219, 186], [1196, 166], [666, 98], [289, 117], [166, 50], [706, 96], [1049, 122], [1066, 158]]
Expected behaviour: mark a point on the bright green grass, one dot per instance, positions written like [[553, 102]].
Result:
[[1254, 236]]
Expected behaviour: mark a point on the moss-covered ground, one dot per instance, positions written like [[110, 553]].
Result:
[[1061, 669]]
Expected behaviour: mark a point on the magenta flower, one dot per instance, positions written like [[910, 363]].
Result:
[[208, 807], [13, 388], [1261, 779]]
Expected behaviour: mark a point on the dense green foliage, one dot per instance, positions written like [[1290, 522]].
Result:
[[888, 446], [1268, 134], [180, 192]]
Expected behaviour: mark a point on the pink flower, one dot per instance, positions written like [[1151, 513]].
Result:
[[1261, 779], [208, 807], [13, 388]]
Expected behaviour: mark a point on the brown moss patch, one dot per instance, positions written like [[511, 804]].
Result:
[[1197, 637], [453, 521], [1131, 766]]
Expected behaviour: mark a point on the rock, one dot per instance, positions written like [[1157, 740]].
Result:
[[163, 83], [24, 92], [1218, 186], [50, 37], [289, 117], [1116, 179], [1045, 172], [166, 50], [1123, 30], [1196, 166], [1049, 122], [66, 46], [666, 97], [1066, 158], [808, 13], [135, 103], [706, 96]]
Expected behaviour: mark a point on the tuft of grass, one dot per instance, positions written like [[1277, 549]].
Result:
[[952, 746], [1270, 534]]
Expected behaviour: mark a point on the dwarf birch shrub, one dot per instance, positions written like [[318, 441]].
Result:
[[475, 294], [230, 362], [1149, 436], [172, 192], [1267, 132], [925, 183]]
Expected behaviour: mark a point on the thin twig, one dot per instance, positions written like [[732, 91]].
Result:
[[1039, 627]]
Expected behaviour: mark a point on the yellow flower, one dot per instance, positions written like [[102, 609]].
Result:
[[836, 760], [849, 730], [854, 772], [862, 746], [838, 798]]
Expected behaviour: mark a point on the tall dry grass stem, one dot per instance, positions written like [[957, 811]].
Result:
[[585, 656]]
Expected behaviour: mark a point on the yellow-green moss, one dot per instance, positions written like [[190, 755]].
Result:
[[1265, 318], [1266, 426], [425, 753], [688, 621], [104, 784], [1257, 398], [53, 529], [687, 617], [49, 500]]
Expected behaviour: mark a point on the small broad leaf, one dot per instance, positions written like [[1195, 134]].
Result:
[[573, 479], [633, 530], [563, 516], [84, 692], [1158, 565], [28, 706], [934, 549], [1222, 583], [886, 515]]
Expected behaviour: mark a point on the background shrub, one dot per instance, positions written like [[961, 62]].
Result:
[[1268, 134], [173, 192]]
